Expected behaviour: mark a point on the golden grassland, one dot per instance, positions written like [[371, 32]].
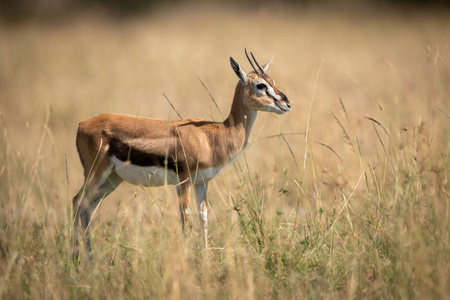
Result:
[[346, 196]]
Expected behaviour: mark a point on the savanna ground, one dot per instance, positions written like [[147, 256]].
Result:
[[346, 196]]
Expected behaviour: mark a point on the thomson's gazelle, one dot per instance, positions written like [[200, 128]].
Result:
[[149, 152]]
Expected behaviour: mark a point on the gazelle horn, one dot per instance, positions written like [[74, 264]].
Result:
[[250, 61], [262, 70]]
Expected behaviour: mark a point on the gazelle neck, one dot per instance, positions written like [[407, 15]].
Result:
[[241, 119]]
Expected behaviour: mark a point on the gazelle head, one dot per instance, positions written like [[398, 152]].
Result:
[[259, 89]]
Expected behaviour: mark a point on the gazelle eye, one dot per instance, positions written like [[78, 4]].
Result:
[[260, 86]]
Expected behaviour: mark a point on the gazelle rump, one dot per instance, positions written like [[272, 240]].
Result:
[[114, 148]]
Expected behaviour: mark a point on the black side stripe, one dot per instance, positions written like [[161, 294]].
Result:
[[124, 153]]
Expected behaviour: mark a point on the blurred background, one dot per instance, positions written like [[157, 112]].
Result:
[[19, 9], [369, 83], [67, 60]]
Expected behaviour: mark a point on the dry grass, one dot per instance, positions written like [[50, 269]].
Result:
[[351, 201]]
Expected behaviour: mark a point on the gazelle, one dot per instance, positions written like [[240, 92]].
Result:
[[114, 148]]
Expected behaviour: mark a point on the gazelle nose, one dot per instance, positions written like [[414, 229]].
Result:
[[288, 105]]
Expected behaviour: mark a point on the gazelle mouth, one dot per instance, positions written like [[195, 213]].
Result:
[[284, 107]]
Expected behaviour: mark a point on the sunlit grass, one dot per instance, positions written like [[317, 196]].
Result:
[[346, 196]]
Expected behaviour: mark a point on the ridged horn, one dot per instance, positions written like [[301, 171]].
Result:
[[262, 70]]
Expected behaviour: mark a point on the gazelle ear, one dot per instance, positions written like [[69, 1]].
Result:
[[266, 66], [238, 70]]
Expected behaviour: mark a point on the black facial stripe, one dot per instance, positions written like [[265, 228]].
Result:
[[274, 100], [283, 96]]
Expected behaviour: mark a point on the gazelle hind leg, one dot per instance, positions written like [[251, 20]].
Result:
[[76, 214], [90, 201], [202, 206]]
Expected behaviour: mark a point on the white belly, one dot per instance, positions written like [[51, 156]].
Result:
[[144, 176], [157, 176], [204, 175]]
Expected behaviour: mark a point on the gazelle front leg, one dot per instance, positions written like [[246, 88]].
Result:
[[202, 206], [184, 194]]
